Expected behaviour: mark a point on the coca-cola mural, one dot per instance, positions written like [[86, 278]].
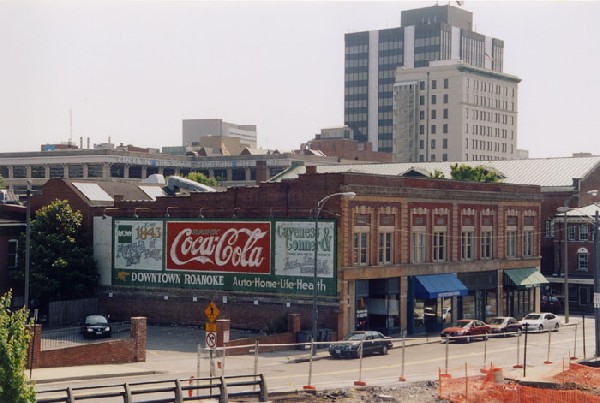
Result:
[[234, 247], [273, 256]]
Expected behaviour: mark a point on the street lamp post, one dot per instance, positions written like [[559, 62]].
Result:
[[315, 312], [597, 281], [27, 245], [565, 264]]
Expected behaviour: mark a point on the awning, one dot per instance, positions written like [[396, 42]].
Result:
[[438, 286], [524, 278]]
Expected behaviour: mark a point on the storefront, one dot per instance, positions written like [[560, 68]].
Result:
[[522, 291], [378, 305], [482, 299], [433, 300]]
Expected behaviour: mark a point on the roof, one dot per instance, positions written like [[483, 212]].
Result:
[[548, 173], [102, 193]]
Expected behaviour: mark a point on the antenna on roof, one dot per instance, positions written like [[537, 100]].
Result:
[[70, 127]]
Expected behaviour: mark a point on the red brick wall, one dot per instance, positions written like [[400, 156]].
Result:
[[110, 352]]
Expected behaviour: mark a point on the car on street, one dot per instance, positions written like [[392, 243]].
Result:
[[466, 330], [551, 304], [540, 321], [371, 342], [504, 325], [95, 326]]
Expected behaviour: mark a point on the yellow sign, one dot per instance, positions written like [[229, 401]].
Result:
[[210, 327], [212, 312]]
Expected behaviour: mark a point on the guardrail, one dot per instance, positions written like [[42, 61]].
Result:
[[177, 390]]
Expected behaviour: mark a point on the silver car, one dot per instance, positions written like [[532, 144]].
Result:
[[540, 322]]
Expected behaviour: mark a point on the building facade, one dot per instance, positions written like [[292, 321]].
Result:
[[451, 111], [441, 32], [407, 253], [194, 129]]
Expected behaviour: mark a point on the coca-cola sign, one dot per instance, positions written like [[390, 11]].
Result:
[[234, 247]]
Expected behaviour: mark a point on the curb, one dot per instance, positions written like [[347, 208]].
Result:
[[93, 376]]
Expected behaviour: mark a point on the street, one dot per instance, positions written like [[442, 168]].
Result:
[[173, 353]]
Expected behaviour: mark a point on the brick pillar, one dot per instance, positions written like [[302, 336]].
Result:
[[293, 323], [138, 334], [35, 357], [223, 327]]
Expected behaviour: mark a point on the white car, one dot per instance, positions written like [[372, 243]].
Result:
[[540, 321]]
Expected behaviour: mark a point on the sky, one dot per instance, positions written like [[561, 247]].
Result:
[[131, 71]]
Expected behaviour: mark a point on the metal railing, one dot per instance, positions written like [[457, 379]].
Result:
[[177, 390]]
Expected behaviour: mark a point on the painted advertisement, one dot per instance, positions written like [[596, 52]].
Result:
[[138, 244], [234, 247], [295, 248], [275, 257]]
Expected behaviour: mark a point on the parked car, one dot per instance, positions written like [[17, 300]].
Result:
[[504, 325], [540, 322], [551, 304], [372, 342], [96, 326], [466, 330]]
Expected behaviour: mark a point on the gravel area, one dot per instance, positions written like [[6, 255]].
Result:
[[414, 392]]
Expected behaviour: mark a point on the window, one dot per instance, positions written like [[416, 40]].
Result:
[[361, 248], [446, 100], [433, 144], [433, 84], [486, 245], [583, 232], [433, 129], [549, 233], [433, 114], [385, 247], [439, 246], [421, 100], [12, 256], [433, 99], [582, 259], [419, 249], [445, 113], [444, 143], [421, 115], [571, 232], [445, 128], [445, 83], [511, 244], [421, 85], [467, 245], [528, 243]]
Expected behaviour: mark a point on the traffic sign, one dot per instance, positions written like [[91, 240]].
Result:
[[212, 311], [210, 327], [211, 339]]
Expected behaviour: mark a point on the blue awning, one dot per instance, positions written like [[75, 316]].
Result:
[[438, 286]]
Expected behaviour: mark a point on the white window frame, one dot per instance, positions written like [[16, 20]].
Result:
[[511, 243], [583, 233], [466, 245], [486, 250], [418, 243], [386, 247], [528, 243], [439, 247], [12, 259], [583, 261], [361, 248]]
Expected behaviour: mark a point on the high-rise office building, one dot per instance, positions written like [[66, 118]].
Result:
[[426, 36]]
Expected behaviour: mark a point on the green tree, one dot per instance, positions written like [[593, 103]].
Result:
[[14, 340], [437, 174], [465, 172], [62, 266], [201, 178]]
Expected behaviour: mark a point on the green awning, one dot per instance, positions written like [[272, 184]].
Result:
[[524, 278]]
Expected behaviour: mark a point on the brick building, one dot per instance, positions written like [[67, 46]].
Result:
[[404, 254]]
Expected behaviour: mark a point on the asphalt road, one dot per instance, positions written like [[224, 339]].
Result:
[[174, 352]]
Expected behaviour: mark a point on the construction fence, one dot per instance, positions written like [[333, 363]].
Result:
[[574, 384]]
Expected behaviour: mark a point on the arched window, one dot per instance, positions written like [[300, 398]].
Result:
[[582, 259]]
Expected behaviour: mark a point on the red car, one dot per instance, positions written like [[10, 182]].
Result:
[[466, 330]]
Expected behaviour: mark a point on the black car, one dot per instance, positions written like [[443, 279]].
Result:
[[96, 326], [371, 341]]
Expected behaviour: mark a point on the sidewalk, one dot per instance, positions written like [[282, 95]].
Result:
[[161, 360]]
